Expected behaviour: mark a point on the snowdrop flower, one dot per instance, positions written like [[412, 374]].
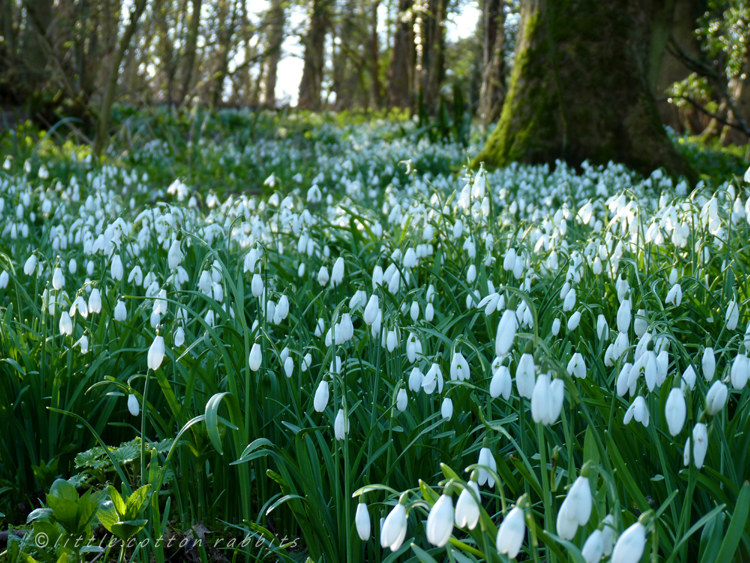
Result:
[[501, 384], [341, 425], [414, 312], [133, 406], [569, 301], [121, 313], [30, 266], [700, 444], [433, 378], [440, 521], [58, 279], [393, 531], [630, 545], [321, 396], [117, 270], [602, 328], [708, 363], [95, 301], [624, 316], [415, 380], [446, 409], [639, 411], [362, 521], [66, 324], [675, 411], [391, 340], [156, 353], [555, 327], [429, 312], [179, 336], [574, 321], [346, 327], [511, 532], [371, 310], [337, 274], [459, 368], [323, 276], [4, 279], [402, 400], [256, 357], [623, 379], [486, 458], [526, 376], [467, 508], [640, 325], [256, 285], [136, 276], [674, 297], [506, 333], [732, 315], [716, 398], [547, 399], [593, 549], [576, 508], [740, 371], [175, 255], [577, 366]]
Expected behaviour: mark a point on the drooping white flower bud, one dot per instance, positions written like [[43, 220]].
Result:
[[716, 398], [321, 396], [440, 521], [133, 406], [675, 411], [362, 521], [156, 353], [630, 545], [511, 533]]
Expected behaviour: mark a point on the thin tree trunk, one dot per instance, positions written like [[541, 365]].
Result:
[[190, 49], [400, 70], [225, 44], [576, 94], [310, 88], [277, 17], [377, 87], [492, 91], [114, 71]]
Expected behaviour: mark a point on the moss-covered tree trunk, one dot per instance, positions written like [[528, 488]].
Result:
[[579, 89]]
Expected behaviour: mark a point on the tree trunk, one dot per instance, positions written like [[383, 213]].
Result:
[[35, 52], [377, 92], [277, 16], [225, 46], [114, 72], [310, 87], [492, 91], [401, 69], [673, 69], [579, 89], [190, 49]]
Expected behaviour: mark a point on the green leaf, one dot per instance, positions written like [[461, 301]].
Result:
[[117, 501], [736, 525], [422, 555], [212, 417]]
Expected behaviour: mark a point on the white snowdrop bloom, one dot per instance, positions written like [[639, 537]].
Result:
[[576, 509], [66, 324], [116, 269], [4, 279], [501, 384], [569, 301], [574, 321], [393, 530], [72, 266], [95, 301], [624, 316], [459, 368], [337, 274], [321, 396], [416, 377], [429, 313], [487, 459], [256, 357], [623, 379], [136, 276], [708, 363], [630, 545], [414, 311], [732, 315], [440, 521], [323, 276], [526, 376], [391, 340], [555, 327], [467, 508], [121, 313], [547, 399], [58, 279], [156, 353], [446, 408], [602, 328], [740, 371], [341, 425], [506, 333], [577, 366], [175, 255], [133, 405], [700, 444], [402, 400], [674, 297], [179, 336], [675, 411], [593, 548], [640, 325], [511, 532], [433, 379], [716, 398], [639, 411], [471, 274], [362, 521]]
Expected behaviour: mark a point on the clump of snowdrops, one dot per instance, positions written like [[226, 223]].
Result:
[[519, 364]]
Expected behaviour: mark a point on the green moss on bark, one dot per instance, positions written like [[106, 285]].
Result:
[[579, 91]]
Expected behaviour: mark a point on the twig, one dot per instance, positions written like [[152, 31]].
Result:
[[739, 126]]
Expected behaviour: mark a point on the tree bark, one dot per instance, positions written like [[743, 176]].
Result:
[[190, 49], [492, 91], [225, 46], [276, 16], [114, 72], [401, 68], [579, 89], [672, 69], [310, 88], [377, 87]]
